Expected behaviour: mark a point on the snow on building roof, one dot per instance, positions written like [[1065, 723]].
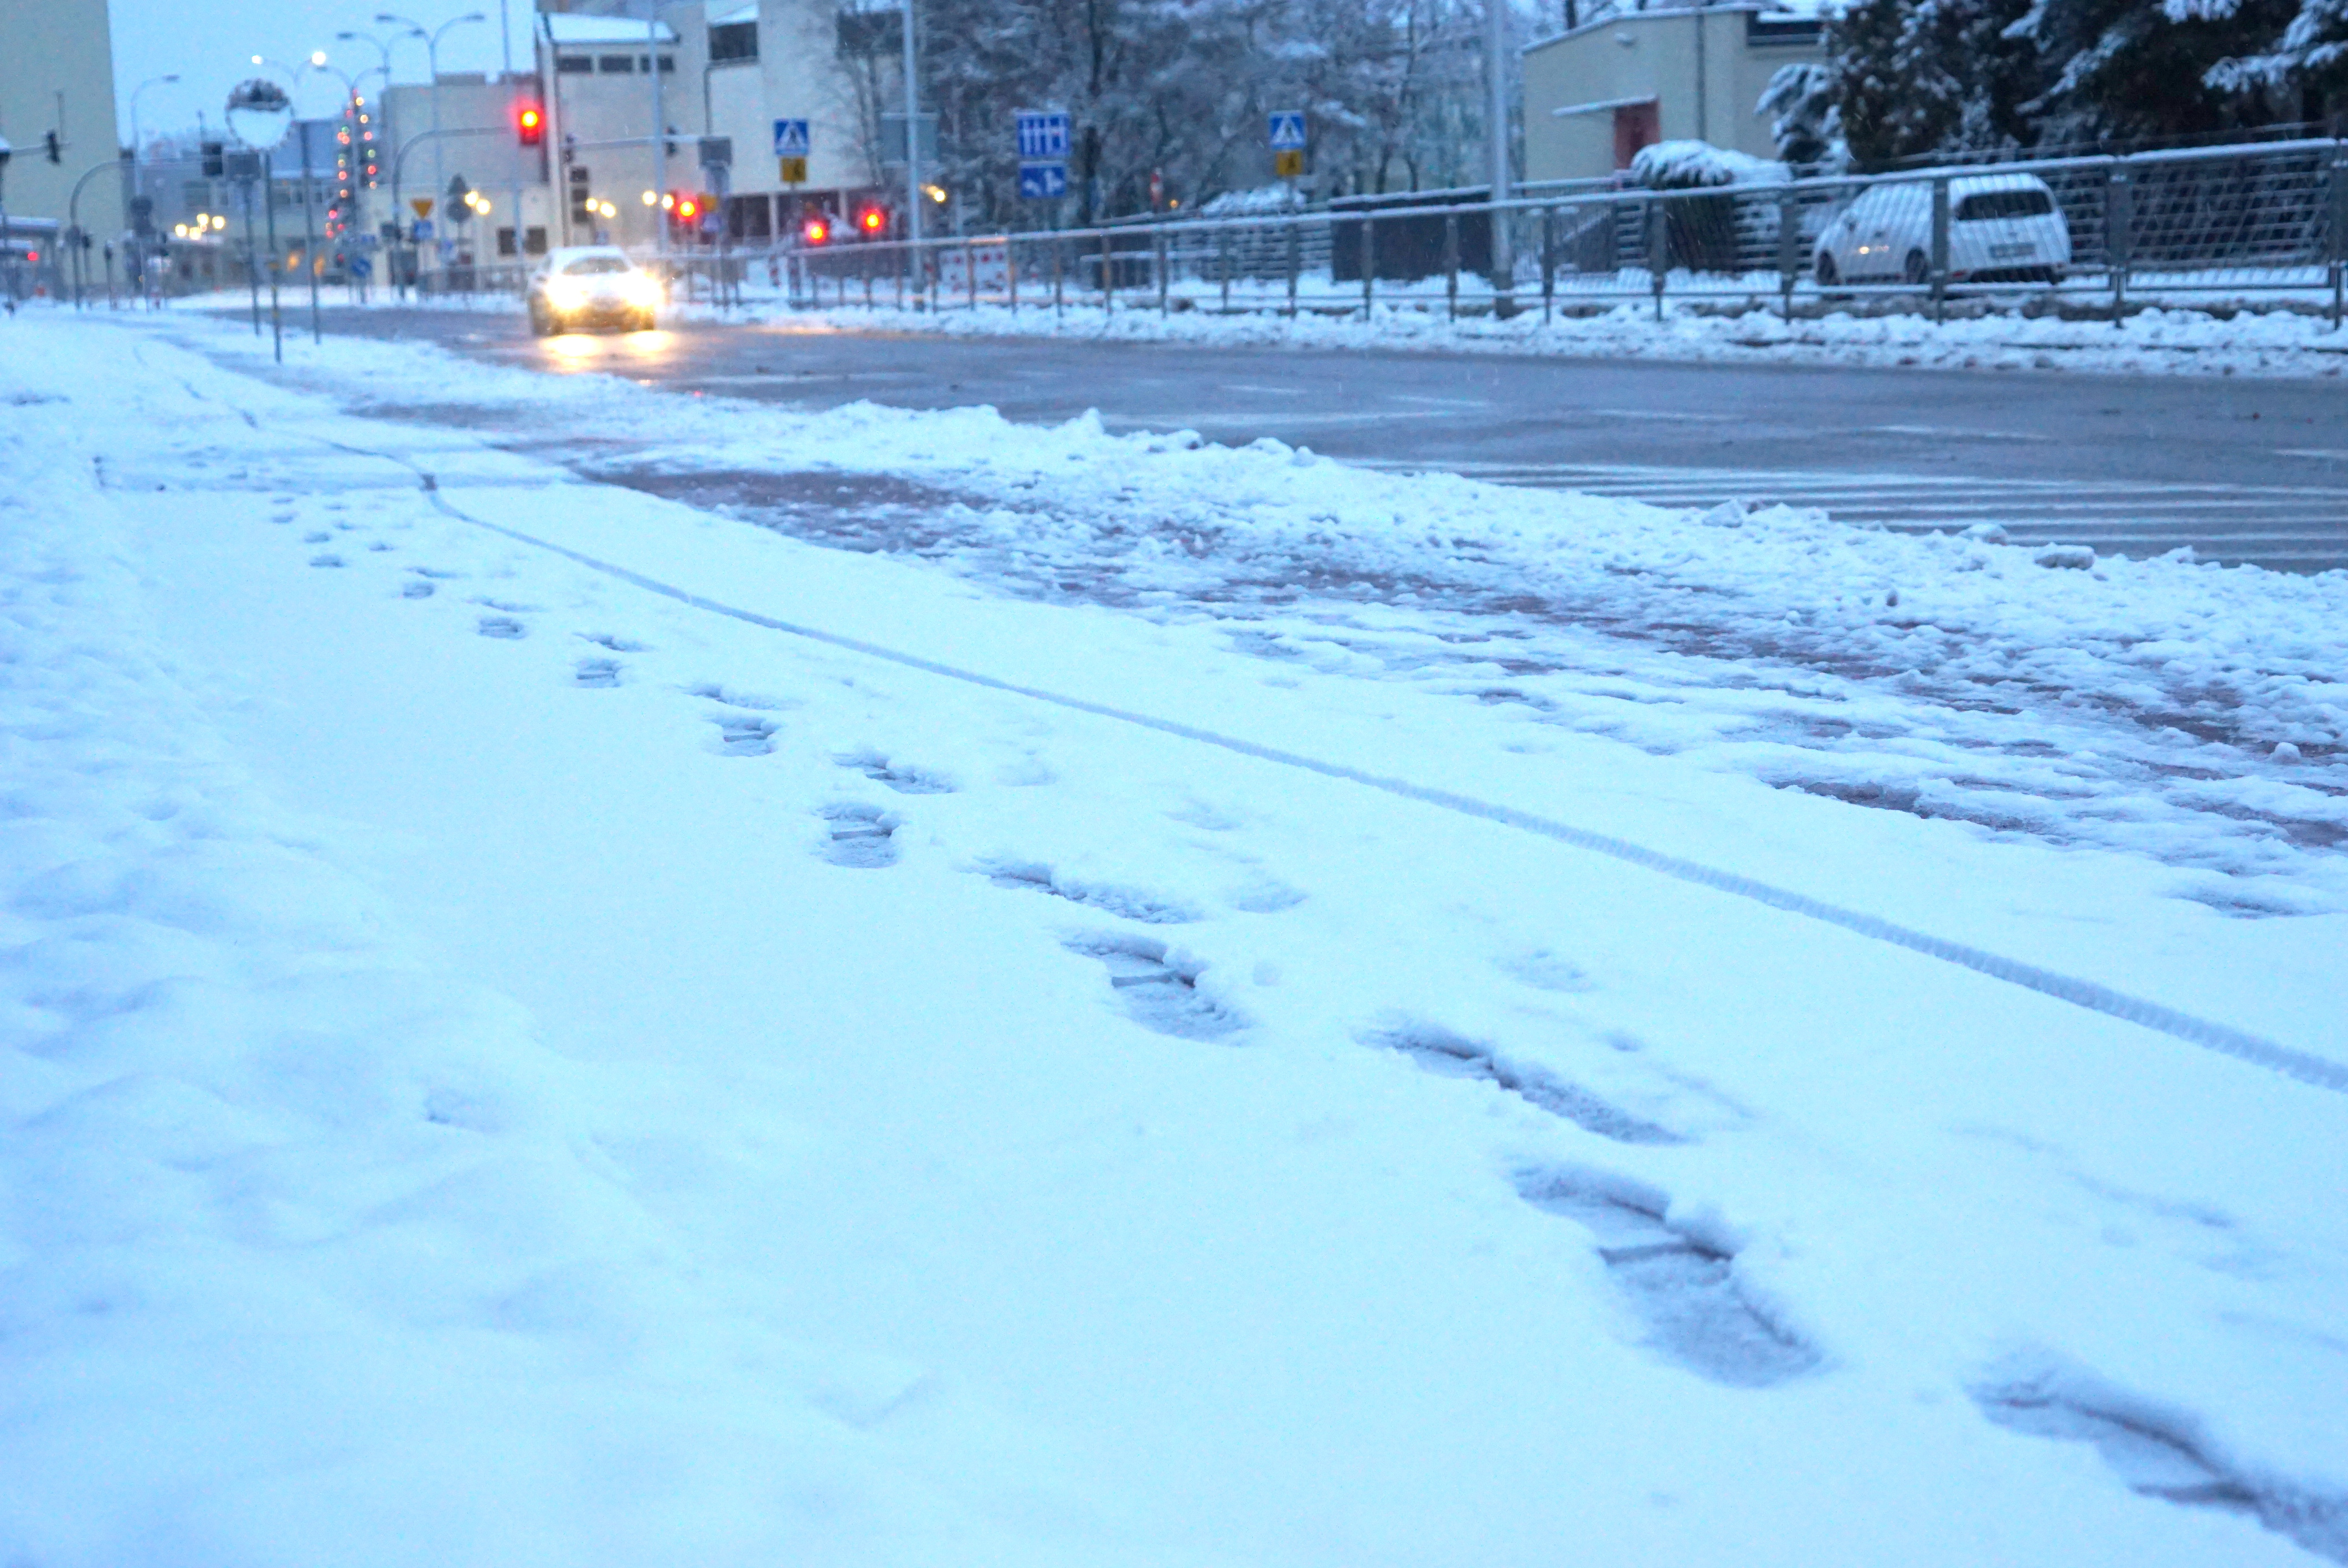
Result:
[[566, 27], [739, 14]]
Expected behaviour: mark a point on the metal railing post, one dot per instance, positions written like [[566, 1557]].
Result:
[[1295, 258], [1010, 270], [2119, 221], [1659, 259], [1789, 249], [1369, 265], [1451, 266], [1549, 263], [1059, 299], [1158, 257], [1224, 265], [2337, 235], [1941, 250], [1109, 277], [969, 271]]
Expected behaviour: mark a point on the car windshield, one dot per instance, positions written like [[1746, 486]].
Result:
[[2022, 204], [596, 266]]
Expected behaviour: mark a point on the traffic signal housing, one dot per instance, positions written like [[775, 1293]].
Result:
[[530, 123]]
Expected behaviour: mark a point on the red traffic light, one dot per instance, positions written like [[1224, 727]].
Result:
[[817, 230], [529, 124], [874, 221], [686, 207]]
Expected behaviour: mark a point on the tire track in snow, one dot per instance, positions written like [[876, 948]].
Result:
[[2305, 1066]]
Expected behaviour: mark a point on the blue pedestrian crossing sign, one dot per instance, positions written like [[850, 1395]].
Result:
[[1043, 137], [1043, 181], [1287, 131], [791, 138]]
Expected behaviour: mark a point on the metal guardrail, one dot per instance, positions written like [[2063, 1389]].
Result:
[[2256, 219]]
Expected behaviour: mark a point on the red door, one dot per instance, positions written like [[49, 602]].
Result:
[[1635, 126]]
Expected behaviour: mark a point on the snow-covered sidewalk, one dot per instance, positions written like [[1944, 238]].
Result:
[[516, 1051]]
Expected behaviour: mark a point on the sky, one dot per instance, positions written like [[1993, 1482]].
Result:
[[210, 44]]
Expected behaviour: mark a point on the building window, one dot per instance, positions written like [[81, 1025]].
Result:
[[732, 41], [668, 65], [615, 64], [575, 64]]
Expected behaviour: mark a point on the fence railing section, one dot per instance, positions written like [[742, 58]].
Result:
[[2243, 220]]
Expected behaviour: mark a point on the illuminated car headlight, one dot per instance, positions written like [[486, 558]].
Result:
[[642, 290], [565, 296]]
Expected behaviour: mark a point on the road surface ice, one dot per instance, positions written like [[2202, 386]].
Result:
[[547, 1023]]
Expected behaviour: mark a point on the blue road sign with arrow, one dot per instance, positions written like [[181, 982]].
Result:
[[1287, 131], [1043, 181]]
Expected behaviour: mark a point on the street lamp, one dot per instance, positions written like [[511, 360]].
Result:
[[432, 59]]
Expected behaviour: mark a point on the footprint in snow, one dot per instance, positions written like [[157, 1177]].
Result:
[[329, 558], [502, 626], [901, 777], [1454, 1056], [1158, 992], [2157, 1451], [741, 734], [596, 672], [860, 837], [1131, 903], [416, 590], [319, 538], [611, 641], [1683, 1286]]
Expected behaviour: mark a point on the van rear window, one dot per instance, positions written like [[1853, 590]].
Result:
[[2025, 204]]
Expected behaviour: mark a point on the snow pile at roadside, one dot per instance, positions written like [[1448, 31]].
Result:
[[2191, 713], [2169, 341], [956, 1127]]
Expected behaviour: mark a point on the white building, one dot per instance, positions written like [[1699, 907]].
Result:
[[1596, 93], [56, 111]]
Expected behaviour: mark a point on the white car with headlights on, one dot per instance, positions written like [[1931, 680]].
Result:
[[590, 286], [2003, 229]]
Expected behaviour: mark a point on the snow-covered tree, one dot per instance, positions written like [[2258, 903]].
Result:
[[1910, 78], [1799, 102], [2308, 58], [2134, 70]]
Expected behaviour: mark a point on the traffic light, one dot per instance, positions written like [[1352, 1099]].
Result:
[[530, 123], [215, 156], [816, 229], [56, 148], [873, 221]]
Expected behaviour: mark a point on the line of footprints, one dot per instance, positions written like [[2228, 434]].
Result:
[[1680, 1286]]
